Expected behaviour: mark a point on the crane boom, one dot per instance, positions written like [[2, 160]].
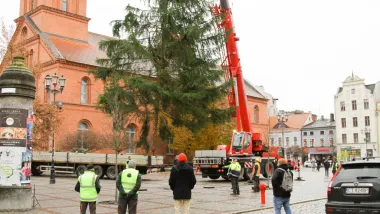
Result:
[[244, 141]]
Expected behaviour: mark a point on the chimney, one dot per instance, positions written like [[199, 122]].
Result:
[[332, 118]]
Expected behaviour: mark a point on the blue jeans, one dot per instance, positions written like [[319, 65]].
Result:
[[279, 202]]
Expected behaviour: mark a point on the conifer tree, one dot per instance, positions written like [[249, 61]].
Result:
[[168, 52]]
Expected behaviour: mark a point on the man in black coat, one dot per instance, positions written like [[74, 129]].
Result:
[[182, 181], [281, 196]]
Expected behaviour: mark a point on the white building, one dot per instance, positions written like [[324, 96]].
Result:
[[355, 110], [272, 102]]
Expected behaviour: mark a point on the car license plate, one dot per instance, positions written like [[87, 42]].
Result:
[[361, 191]]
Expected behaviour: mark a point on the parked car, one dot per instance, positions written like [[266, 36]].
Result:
[[307, 164], [355, 188]]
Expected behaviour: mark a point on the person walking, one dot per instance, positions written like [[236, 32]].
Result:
[[318, 164], [88, 187], [181, 181], [256, 175], [128, 183], [334, 166], [313, 164], [234, 174], [282, 183], [326, 165]]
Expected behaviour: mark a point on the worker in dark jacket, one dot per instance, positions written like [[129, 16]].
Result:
[[128, 183], [88, 187], [182, 181], [281, 196]]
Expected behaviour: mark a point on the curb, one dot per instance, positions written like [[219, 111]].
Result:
[[271, 207]]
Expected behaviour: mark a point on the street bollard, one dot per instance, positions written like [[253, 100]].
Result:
[[263, 187]]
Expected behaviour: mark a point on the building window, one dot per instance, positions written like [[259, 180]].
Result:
[[256, 114], [170, 151], [331, 132], [31, 59], [83, 126], [287, 141], [344, 123], [304, 133], [131, 131], [272, 141], [64, 5], [344, 138], [368, 137], [367, 122], [356, 138], [84, 90], [366, 104], [322, 132], [295, 141], [32, 4], [331, 142], [311, 133], [354, 106], [342, 106], [322, 142], [353, 91], [311, 142], [305, 143], [279, 141], [355, 121], [24, 33]]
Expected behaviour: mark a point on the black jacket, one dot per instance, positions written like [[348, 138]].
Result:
[[182, 181], [277, 178], [97, 185]]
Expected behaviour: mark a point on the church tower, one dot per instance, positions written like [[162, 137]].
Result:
[[65, 18]]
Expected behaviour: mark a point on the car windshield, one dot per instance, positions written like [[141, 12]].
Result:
[[237, 144], [354, 171]]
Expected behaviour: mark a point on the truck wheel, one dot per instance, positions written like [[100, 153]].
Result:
[[80, 170], [214, 177], [36, 170], [111, 174], [99, 171], [268, 169]]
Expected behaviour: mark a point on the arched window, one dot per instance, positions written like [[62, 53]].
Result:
[[85, 90], [83, 126], [24, 33], [64, 5], [31, 59], [32, 4], [131, 132], [256, 114]]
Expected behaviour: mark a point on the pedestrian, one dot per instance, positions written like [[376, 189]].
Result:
[[128, 183], [256, 175], [326, 165], [88, 187], [275, 163], [182, 181], [234, 174], [175, 162], [318, 164], [334, 166], [126, 163], [282, 183], [313, 164]]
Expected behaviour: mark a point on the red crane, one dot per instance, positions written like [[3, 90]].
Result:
[[244, 140]]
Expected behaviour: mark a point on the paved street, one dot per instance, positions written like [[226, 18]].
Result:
[[209, 196]]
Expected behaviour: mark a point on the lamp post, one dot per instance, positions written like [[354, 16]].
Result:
[[51, 83], [366, 132], [282, 119]]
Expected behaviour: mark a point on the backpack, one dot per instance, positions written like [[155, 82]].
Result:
[[287, 181]]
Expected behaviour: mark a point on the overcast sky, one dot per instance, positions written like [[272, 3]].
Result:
[[300, 50]]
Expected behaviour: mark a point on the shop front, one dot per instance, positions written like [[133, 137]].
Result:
[[320, 153], [349, 153]]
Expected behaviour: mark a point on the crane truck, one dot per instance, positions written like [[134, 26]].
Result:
[[246, 145]]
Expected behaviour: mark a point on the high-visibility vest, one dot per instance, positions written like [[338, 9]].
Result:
[[87, 186], [258, 172], [129, 179], [334, 166], [235, 169]]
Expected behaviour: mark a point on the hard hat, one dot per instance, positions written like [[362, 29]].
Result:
[[258, 160]]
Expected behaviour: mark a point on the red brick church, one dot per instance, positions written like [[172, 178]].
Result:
[[55, 35]]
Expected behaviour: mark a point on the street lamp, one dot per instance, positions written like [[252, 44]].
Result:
[[51, 83], [366, 132], [282, 119]]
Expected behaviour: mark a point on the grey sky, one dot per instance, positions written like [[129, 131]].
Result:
[[300, 50]]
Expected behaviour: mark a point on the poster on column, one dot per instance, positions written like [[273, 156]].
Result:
[[12, 147]]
